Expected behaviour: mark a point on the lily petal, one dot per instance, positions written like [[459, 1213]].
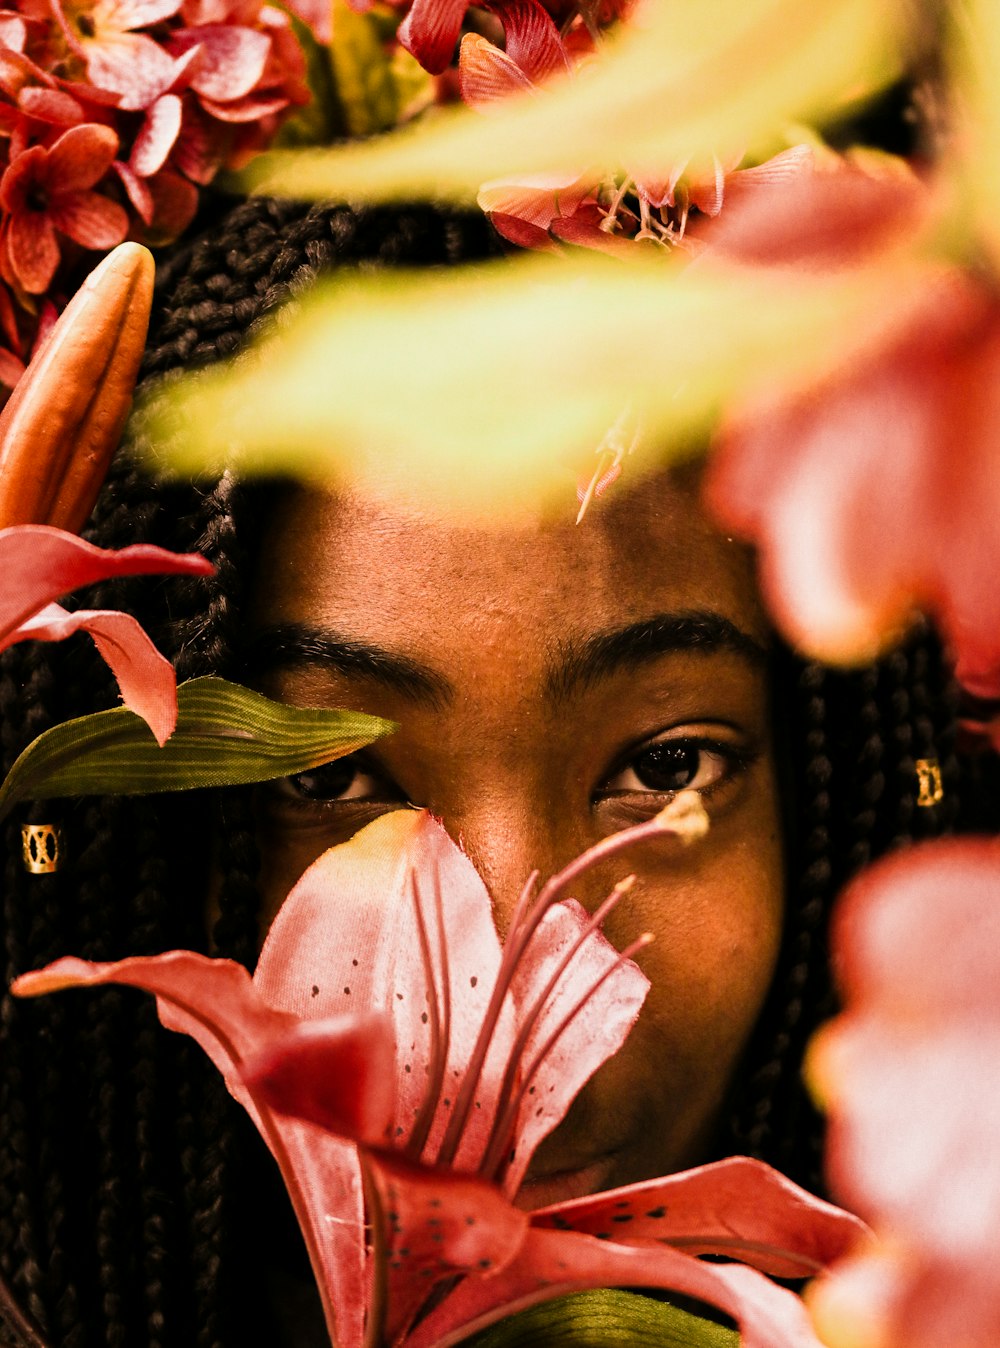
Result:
[[554, 1263], [38, 564], [737, 1207], [147, 680]]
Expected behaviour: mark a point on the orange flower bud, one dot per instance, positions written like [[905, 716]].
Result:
[[62, 424]]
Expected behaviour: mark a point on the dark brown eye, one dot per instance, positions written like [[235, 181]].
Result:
[[674, 765], [668, 767], [344, 779]]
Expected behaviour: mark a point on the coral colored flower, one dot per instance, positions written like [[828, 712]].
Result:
[[875, 490], [131, 64], [38, 564], [49, 191], [910, 1073], [384, 1010]]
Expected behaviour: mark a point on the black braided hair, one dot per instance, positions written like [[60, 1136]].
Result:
[[116, 1141], [108, 1125]]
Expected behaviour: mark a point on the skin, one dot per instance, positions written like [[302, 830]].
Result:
[[527, 765]]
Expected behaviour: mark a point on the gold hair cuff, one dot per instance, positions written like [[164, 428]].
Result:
[[931, 788], [41, 848]]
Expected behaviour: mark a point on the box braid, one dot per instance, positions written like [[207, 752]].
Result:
[[107, 1125]]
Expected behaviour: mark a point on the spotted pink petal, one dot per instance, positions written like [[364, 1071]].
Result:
[[430, 30], [439, 1224], [232, 59], [554, 1263], [156, 137], [215, 1002], [38, 564], [738, 1208], [130, 65], [80, 158], [92, 220], [147, 681], [523, 233], [348, 938]]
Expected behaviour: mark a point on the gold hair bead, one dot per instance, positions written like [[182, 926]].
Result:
[[931, 788], [41, 848]]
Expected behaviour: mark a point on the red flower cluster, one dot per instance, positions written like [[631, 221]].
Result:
[[609, 211], [113, 113]]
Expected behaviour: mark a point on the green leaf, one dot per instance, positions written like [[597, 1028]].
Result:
[[681, 81], [362, 68], [226, 735], [605, 1319]]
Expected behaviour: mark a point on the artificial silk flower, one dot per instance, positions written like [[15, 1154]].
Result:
[[39, 563], [909, 1074], [403, 1067], [874, 490]]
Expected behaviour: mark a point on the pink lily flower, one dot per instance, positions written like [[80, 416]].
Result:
[[873, 491], [49, 191], [909, 1074], [39, 563], [403, 1071]]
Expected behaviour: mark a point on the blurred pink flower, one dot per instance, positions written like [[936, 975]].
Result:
[[874, 490], [455, 1059], [49, 191], [910, 1074]]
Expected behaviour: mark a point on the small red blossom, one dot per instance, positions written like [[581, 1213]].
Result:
[[46, 192], [131, 64], [403, 1067], [909, 1075], [873, 492]]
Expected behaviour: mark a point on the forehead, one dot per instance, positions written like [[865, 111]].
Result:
[[408, 577]]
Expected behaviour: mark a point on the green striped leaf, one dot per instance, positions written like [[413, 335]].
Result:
[[609, 1318], [226, 735]]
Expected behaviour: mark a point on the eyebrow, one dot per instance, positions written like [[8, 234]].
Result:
[[701, 631], [297, 645]]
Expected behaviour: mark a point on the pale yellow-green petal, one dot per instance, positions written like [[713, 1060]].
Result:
[[489, 385], [684, 79]]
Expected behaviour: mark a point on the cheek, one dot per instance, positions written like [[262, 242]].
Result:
[[718, 931]]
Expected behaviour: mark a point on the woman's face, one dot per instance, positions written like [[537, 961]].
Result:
[[553, 683]]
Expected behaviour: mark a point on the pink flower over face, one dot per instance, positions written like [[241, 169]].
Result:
[[46, 192], [875, 490], [38, 564], [910, 1074], [403, 1067]]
